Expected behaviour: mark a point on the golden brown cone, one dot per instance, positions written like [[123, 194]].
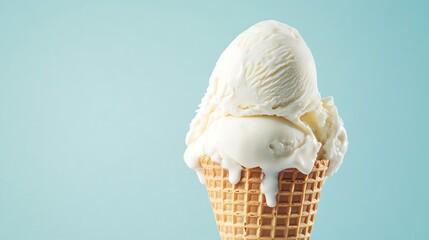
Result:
[[242, 213]]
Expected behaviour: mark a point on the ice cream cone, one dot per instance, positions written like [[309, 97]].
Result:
[[241, 211]]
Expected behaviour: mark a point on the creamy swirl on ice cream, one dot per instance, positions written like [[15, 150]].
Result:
[[263, 109]]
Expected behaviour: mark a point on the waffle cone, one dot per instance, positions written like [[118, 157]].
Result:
[[241, 211]]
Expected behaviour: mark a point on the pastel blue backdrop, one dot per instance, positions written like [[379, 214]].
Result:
[[96, 98]]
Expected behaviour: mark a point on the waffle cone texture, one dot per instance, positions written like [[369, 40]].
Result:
[[241, 211]]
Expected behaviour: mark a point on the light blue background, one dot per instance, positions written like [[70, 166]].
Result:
[[96, 98]]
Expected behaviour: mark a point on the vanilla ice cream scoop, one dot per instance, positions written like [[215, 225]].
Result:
[[263, 109], [267, 70]]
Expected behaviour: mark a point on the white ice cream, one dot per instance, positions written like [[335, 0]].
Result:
[[263, 109], [271, 143]]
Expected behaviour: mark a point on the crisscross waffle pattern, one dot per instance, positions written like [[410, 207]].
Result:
[[242, 213]]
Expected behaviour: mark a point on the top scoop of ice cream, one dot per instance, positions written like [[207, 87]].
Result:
[[267, 70]]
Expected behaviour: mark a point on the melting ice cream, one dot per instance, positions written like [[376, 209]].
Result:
[[263, 109]]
